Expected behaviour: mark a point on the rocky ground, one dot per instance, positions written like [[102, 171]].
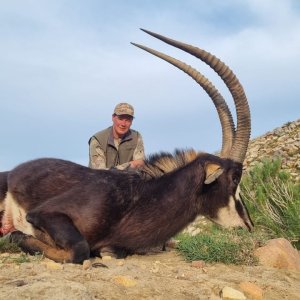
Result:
[[157, 275], [282, 142]]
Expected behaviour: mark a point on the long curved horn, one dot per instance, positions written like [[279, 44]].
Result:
[[242, 137], [218, 100]]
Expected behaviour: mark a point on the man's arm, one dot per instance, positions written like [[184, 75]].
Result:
[[138, 154], [97, 159]]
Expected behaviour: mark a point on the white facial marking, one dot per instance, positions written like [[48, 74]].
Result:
[[237, 193], [228, 215]]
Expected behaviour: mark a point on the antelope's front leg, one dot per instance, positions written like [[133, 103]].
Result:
[[63, 233]]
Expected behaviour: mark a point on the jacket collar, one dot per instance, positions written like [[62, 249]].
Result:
[[127, 136]]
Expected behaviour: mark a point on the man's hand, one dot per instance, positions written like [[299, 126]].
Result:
[[135, 164]]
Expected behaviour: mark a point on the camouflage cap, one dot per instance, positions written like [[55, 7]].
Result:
[[124, 109]]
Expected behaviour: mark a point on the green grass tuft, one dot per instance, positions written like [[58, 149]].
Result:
[[218, 245], [6, 246]]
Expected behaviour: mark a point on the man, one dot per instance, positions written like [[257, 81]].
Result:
[[117, 146]]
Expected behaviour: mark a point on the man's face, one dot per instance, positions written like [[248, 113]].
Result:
[[121, 124]]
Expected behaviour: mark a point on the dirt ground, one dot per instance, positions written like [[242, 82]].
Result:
[[156, 275]]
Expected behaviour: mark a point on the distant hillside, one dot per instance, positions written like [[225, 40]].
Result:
[[283, 142]]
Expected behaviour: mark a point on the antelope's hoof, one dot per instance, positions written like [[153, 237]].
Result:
[[81, 252], [16, 237]]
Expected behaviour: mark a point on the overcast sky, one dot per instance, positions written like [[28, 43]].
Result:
[[65, 64]]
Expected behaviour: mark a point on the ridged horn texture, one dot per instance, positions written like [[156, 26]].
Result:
[[242, 135], [225, 116]]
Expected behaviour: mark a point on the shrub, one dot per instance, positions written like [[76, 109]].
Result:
[[273, 200]]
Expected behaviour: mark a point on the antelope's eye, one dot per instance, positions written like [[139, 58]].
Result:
[[236, 180]]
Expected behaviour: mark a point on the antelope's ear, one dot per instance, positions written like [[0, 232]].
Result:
[[212, 172]]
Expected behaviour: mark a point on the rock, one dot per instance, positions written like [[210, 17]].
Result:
[[198, 264], [86, 264], [251, 290], [106, 257], [229, 293], [51, 265], [283, 142], [278, 253], [125, 281]]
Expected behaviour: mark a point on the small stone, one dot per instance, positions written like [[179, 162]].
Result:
[[51, 265], [198, 264], [125, 281], [251, 290], [106, 257], [229, 293], [86, 264]]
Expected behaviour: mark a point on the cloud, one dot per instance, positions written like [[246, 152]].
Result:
[[65, 64]]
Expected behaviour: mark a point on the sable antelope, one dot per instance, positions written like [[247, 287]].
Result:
[[69, 211]]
